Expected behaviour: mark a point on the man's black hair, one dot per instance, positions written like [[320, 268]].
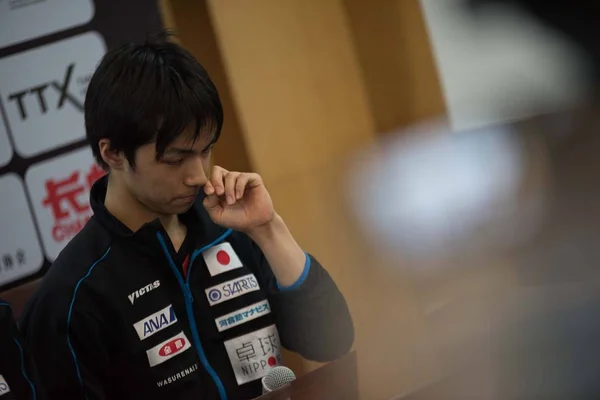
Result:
[[151, 92]]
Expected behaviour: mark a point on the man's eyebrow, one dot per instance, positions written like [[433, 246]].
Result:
[[179, 150], [186, 151]]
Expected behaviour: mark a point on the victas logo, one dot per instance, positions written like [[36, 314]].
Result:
[[155, 322], [44, 106], [142, 291]]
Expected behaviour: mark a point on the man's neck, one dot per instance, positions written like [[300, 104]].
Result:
[[133, 214]]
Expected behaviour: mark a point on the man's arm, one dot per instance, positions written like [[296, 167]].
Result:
[[68, 350], [312, 315]]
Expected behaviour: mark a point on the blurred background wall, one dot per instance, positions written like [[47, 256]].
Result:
[[306, 85]]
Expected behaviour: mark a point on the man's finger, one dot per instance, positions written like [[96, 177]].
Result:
[[240, 185], [254, 180], [216, 178], [230, 186], [208, 188], [210, 202]]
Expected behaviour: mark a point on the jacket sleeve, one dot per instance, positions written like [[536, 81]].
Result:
[[18, 377], [312, 315], [69, 349]]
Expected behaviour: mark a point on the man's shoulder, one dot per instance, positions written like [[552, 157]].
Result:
[[87, 247], [90, 247], [53, 299]]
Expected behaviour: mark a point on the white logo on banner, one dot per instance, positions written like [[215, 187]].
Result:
[[22, 20], [6, 150], [59, 190], [168, 349], [20, 251], [231, 289], [243, 315], [221, 258], [43, 91], [155, 322], [253, 355]]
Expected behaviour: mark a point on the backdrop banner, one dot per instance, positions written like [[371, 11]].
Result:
[[48, 52]]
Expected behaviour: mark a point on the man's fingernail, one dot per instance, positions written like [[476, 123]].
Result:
[[230, 200]]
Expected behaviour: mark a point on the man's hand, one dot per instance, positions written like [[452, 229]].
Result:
[[238, 200]]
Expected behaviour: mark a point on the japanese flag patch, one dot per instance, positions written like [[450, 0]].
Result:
[[221, 258]]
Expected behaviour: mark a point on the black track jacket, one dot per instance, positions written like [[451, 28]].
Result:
[[18, 379], [121, 315]]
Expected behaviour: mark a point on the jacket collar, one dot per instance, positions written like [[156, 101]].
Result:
[[196, 219]]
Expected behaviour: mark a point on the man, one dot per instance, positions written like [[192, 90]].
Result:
[[17, 373], [186, 282]]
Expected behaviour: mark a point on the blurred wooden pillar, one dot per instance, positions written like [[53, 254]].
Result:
[[395, 53]]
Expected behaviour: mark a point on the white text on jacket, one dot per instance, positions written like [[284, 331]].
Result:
[[182, 374], [142, 291]]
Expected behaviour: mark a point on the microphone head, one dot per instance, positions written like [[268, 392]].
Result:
[[278, 377]]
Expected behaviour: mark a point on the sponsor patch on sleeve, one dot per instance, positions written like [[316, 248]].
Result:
[[221, 258], [168, 349], [231, 289], [243, 315], [4, 389], [155, 322], [253, 355]]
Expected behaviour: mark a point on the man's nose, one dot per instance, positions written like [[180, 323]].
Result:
[[195, 175]]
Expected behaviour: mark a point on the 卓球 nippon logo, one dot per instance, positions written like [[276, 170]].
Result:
[[254, 354]]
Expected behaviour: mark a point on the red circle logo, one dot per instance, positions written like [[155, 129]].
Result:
[[223, 258], [272, 361]]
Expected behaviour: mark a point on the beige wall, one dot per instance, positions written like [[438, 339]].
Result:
[[307, 83]]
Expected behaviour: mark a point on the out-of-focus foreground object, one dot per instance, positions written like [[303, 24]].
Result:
[[521, 198]]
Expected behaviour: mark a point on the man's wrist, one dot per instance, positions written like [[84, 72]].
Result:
[[265, 233]]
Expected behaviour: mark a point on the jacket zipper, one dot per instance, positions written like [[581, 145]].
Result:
[[189, 300]]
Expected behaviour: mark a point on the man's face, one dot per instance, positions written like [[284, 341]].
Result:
[[170, 185]]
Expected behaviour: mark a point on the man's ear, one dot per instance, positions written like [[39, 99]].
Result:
[[115, 159]]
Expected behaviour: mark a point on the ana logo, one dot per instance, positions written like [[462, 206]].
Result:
[[155, 322], [168, 349], [232, 289], [221, 258], [3, 386], [142, 291]]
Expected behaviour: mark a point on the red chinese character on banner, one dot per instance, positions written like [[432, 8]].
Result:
[[94, 174], [59, 192]]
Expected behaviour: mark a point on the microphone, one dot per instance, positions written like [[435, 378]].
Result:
[[277, 378]]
